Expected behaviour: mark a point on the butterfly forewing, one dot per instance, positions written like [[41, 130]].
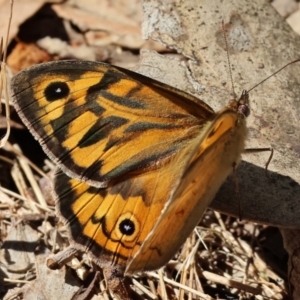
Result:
[[212, 158], [98, 122]]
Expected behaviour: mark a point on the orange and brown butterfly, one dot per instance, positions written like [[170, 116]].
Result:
[[138, 161]]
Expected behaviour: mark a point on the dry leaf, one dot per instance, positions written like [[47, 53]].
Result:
[[49, 284], [22, 10], [26, 55], [94, 17], [17, 252]]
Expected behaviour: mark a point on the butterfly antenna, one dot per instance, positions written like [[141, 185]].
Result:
[[228, 60], [290, 63]]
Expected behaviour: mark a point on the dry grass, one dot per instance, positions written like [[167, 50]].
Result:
[[222, 258]]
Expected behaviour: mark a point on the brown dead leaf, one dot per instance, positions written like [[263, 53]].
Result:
[[48, 285], [104, 28], [102, 17], [22, 10], [26, 55], [17, 251], [108, 22]]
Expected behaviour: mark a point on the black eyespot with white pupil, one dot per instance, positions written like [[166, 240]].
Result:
[[127, 227], [56, 91]]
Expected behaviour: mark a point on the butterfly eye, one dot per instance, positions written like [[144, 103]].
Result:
[[56, 91], [244, 109]]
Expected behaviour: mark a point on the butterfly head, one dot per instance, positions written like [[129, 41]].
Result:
[[241, 105]]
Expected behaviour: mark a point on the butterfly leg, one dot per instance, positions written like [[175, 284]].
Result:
[[237, 189], [254, 150]]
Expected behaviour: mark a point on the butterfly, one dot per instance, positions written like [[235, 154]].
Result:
[[138, 161]]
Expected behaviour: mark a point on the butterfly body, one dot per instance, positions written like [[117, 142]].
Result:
[[139, 161]]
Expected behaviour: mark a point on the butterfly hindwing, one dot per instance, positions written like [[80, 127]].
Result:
[[113, 222], [98, 122]]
